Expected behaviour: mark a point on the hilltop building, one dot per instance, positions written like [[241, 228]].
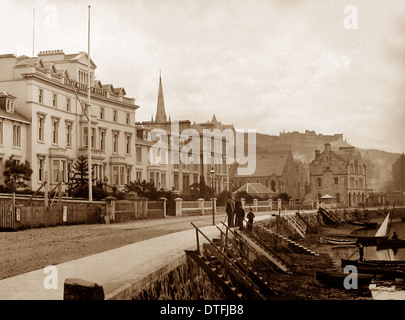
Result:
[[49, 94], [341, 174], [398, 173]]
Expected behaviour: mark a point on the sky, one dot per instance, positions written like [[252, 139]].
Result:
[[268, 65]]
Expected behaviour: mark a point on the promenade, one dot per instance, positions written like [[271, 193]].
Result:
[[111, 269]]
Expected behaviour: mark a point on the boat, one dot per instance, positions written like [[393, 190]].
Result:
[[366, 224], [335, 241], [398, 264], [380, 268], [336, 278], [382, 233], [390, 243]]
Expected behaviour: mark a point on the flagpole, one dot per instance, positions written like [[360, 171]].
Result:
[[33, 31], [89, 115]]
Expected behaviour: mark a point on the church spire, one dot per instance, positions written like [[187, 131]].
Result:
[[160, 110]]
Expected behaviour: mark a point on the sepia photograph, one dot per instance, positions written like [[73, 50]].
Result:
[[202, 155]]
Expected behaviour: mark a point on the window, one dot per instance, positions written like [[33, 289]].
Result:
[[152, 178], [102, 139], [139, 154], [186, 181], [176, 181], [336, 181], [128, 144], [41, 163], [115, 142], [55, 130], [69, 126], [41, 96], [337, 196], [10, 105], [41, 125], [319, 182], [122, 175], [17, 136], [127, 118], [129, 173], [85, 136], [361, 182], [115, 175], [101, 113], [1, 132], [54, 100], [163, 180], [68, 104], [93, 137], [115, 116], [138, 175], [55, 170]]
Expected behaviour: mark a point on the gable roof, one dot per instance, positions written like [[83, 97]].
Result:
[[270, 163], [255, 188]]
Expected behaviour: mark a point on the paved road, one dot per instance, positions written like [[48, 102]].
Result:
[[33, 249], [121, 266]]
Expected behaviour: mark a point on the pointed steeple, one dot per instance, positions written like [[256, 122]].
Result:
[[160, 110], [214, 119]]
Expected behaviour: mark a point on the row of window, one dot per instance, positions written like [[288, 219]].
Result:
[[354, 183], [68, 134], [68, 107]]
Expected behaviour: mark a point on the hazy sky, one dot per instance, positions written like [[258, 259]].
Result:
[[265, 65]]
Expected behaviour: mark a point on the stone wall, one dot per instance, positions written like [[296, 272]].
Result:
[[186, 282]]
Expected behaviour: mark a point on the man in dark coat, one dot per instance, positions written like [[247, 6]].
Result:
[[250, 217], [230, 211]]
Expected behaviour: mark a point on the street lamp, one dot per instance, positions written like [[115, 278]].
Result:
[[212, 172]]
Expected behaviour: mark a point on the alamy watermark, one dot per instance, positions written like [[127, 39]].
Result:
[[206, 146]]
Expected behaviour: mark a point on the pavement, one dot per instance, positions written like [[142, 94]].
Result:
[[129, 263]]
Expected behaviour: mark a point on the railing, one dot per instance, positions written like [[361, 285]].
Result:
[[243, 253], [227, 262], [293, 222]]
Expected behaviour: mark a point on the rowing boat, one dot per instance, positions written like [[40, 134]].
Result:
[[337, 278], [366, 224], [391, 243], [398, 264], [335, 241]]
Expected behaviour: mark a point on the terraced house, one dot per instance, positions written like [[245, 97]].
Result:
[[49, 95]]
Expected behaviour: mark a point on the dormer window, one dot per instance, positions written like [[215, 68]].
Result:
[[10, 105]]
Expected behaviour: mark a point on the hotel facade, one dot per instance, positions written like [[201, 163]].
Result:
[[49, 97]]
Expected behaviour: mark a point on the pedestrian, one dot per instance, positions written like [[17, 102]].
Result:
[[230, 211], [394, 236], [250, 217], [240, 215], [238, 204], [361, 252]]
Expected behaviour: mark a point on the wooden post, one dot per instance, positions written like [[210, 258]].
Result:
[[46, 195]]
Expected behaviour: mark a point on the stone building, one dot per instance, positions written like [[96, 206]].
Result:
[[341, 174], [398, 174], [51, 93], [191, 166], [276, 170]]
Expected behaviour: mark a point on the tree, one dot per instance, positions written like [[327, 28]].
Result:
[[80, 171], [17, 174]]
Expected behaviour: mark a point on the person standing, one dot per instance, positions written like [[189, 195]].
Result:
[[361, 252], [230, 211], [250, 217], [240, 215]]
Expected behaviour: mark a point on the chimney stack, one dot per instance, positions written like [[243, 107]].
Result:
[[317, 153]]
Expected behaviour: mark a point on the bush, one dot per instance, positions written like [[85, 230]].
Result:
[[83, 192]]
